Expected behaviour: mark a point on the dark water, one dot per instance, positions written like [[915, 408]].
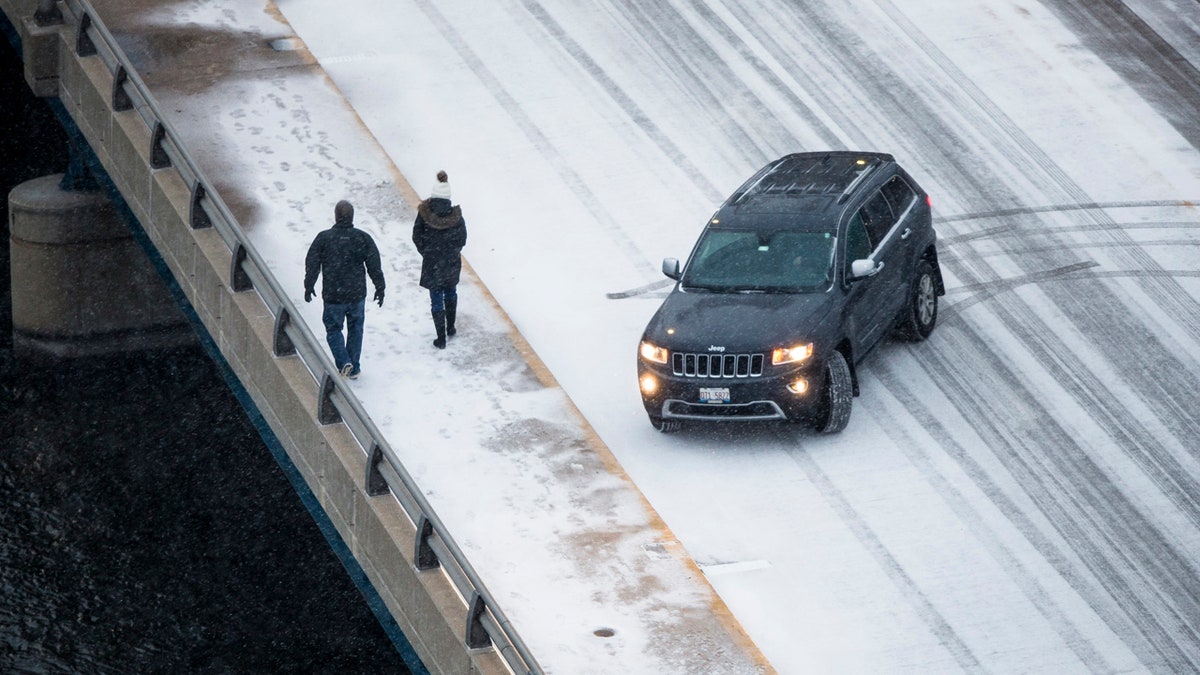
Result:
[[144, 525]]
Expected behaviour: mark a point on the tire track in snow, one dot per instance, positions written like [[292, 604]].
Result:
[[636, 115], [1028, 249], [1153, 584], [987, 290], [539, 140], [1157, 71], [1117, 416], [1102, 314], [710, 80], [829, 137], [1013, 229], [669, 40], [1032, 588], [1178, 642], [1055, 208], [1098, 314], [850, 517]]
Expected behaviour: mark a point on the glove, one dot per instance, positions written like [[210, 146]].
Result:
[[308, 295], [379, 296]]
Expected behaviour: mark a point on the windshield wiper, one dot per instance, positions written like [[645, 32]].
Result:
[[705, 287], [758, 289]]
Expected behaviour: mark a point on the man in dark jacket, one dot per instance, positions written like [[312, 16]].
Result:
[[345, 256], [440, 233]]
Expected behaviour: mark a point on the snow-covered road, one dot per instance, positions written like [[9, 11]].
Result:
[[1022, 491]]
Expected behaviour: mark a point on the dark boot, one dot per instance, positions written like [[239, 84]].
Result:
[[451, 313], [439, 324]]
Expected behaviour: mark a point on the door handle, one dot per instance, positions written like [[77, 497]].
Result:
[[907, 231]]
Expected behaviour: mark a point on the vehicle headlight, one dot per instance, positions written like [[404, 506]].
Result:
[[652, 352], [796, 354]]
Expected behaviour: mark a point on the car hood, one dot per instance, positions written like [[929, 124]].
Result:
[[736, 322]]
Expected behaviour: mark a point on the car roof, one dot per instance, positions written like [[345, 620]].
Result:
[[801, 190]]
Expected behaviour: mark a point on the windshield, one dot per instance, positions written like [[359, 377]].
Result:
[[783, 261]]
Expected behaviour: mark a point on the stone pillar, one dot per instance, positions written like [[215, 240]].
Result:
[[81, 286]]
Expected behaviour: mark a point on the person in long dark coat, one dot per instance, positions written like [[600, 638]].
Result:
[[440, 233], [345, 256]]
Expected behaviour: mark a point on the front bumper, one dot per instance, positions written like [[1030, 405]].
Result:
[[751, 399]]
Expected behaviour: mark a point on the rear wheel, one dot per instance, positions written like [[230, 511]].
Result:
[[665, 426], [837, 397], [919, 316]]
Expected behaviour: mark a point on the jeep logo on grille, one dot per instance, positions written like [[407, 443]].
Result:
[[715, 348]]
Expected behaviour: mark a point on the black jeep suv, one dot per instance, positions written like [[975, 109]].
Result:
[[798, 275]]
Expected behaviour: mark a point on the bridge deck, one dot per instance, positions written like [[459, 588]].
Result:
[[589, 575]]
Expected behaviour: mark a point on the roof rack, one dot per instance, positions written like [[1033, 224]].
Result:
[[870, 167]]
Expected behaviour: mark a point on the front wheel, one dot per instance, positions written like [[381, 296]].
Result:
[[919, 316], [837, 397]]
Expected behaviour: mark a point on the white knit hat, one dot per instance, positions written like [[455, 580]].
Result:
[[441, 188]]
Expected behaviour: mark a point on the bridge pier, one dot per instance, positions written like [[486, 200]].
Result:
[[81, 285]]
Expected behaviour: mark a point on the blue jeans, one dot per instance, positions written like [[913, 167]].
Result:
[[348, 350], [439, 296]]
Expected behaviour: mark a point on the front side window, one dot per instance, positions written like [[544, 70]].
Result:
[[783, 261], [858, 242]]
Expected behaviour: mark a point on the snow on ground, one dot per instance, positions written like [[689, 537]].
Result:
[[1015, 494]]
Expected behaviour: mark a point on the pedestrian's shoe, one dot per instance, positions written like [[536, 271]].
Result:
[[451, 315], [439, 324], [347, 369], [354, 373]]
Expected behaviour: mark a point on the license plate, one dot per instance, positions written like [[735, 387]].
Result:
[[714, 394]]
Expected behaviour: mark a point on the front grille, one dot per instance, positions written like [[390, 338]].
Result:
[[717, 365]]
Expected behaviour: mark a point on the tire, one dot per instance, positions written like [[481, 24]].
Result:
[[837, 397], [665, 426], [919, 316]]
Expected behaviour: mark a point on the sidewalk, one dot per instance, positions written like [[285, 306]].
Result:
[[588, 573]]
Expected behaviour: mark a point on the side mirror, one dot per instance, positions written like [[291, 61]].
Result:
[[861, 269], [670, 267]]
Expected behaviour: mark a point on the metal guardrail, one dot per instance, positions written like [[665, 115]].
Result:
[[434, 547]]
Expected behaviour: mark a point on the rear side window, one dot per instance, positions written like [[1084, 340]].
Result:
[[899, 195], [877, 216]]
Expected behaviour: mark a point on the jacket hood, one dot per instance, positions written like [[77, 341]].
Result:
[[736, 322], [439, 214]]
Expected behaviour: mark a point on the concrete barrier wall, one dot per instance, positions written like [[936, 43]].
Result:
[[376, 530]]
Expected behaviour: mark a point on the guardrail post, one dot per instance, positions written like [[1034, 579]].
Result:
[[48, 14], [198, 219], [477, 635], [282, 344], [327, 412], [159, 159], [238, 279], [40, 49], [424, 558], [120, 99], [83, 44], [375, 483]]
